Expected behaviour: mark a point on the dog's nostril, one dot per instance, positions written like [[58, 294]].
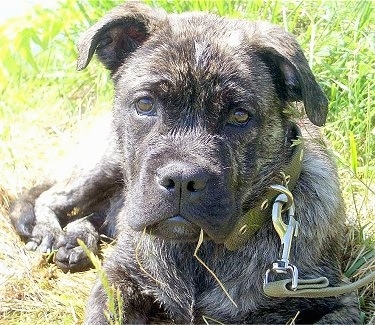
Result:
[[183, 180], [167, 183], [195, 186]]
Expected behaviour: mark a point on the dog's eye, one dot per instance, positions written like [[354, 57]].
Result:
[[239, 117], [145, 106]]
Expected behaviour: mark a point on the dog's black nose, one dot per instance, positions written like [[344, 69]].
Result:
[[186, 180]]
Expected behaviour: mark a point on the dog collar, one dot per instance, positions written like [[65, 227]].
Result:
[[256, 217]]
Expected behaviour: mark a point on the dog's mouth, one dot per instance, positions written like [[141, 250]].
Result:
[[175, 228]]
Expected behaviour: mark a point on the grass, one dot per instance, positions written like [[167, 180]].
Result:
[[45, 105]]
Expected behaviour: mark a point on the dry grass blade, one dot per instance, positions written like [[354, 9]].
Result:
[[206, 319], [199, 244], [292, 321]]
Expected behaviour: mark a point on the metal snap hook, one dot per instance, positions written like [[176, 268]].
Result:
[[284, 203]]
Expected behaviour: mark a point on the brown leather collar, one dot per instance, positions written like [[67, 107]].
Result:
[[256, 217]]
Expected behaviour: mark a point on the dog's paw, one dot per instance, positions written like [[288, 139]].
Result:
[[69, 255], [46, 228], [24, 219], [42, 238]]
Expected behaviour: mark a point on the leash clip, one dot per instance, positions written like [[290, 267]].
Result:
[[284, 203]]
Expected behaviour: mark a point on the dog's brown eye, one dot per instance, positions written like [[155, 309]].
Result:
[[145, 106], [239, 117]]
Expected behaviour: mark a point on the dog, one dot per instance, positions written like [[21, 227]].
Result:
[[208, 135]]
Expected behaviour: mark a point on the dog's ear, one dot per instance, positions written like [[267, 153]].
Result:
[[292, 73], [118, 33]]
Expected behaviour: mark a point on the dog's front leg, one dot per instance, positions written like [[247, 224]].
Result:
[[84, 196]]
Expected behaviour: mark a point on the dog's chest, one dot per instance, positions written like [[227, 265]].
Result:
[[192, 294]]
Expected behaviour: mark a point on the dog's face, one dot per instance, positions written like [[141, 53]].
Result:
[[200, 114]]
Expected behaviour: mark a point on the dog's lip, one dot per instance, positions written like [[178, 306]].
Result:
[[176, 228]]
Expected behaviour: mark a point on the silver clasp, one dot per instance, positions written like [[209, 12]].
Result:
[[284, 203]]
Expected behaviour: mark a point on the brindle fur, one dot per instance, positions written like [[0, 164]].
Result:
[[197, 67]]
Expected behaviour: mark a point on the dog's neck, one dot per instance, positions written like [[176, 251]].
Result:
[[257, 216]]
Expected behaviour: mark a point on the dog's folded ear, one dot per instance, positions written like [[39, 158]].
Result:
[[118, 34], [290, 69]]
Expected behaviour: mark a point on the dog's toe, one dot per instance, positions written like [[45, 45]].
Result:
[[46, 244], [72, 259], [42, 238]]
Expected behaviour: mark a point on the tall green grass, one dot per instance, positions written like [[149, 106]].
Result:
[[44, 103]]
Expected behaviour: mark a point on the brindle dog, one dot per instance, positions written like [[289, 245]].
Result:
[[202, 128]]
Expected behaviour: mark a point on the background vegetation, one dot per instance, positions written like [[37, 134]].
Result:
[[45, 105]]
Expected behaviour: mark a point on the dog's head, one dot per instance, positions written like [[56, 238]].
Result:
[[200, 112]]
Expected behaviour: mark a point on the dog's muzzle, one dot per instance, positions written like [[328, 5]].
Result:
[[179, 193], [187, 183], [187, 197]]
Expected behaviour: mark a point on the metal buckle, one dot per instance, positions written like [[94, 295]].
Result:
[[280, 267], [284, 203]]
